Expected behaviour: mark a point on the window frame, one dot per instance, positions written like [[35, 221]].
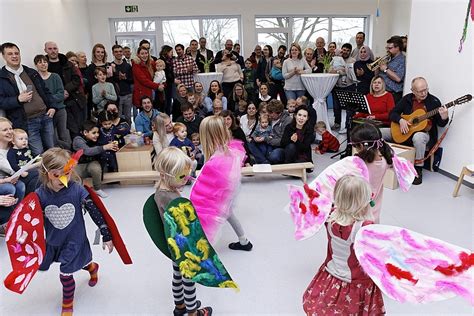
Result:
[[289, 28], [158, 32]]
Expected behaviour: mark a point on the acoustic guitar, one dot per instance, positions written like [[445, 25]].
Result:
[[418, 120]]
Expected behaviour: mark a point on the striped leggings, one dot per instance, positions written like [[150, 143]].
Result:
[[184, 290]]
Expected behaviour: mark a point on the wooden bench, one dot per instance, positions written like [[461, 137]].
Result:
[[291, 169], [149, 175]]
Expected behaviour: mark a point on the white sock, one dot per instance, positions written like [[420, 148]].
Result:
[[243, 240]]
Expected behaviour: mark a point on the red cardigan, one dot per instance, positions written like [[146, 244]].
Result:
[[380, 107], [142, 82]]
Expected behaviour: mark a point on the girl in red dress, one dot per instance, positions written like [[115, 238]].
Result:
[[341, 286]]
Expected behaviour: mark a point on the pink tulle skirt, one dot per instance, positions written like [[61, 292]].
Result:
[[215, 188]]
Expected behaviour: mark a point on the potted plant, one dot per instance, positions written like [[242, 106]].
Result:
[[207, 64]]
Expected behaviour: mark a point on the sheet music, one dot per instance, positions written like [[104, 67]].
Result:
[[262, 168], [367, 103], [26, 167]]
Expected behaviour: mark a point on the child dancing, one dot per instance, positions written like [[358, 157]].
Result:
[[62, 199], [341, 286], [174, 168], [217, 184]]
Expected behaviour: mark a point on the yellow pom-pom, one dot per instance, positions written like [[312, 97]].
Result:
[[174, 247], [192, 257], [203, 247], [229, 284]]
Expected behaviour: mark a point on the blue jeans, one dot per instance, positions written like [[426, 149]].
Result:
[[40, 134], [260, 151], [17, 190], [276, 156], [259, 155], [294, 94]]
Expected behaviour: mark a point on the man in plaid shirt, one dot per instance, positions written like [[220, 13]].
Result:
[[184, 67]]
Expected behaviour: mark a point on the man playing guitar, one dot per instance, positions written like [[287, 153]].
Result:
[[420, 99]]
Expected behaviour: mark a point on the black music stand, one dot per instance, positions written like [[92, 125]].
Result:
[[352, 102]]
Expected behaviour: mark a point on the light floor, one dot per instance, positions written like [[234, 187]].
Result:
[[272, 277]]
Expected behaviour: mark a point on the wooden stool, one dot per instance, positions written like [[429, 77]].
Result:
[[466, 171]]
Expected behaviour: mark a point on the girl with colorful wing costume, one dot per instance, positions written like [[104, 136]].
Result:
[[62, 200], [371, 162], [341, 286]]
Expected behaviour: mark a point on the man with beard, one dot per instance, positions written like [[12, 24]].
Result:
[[184, 67]]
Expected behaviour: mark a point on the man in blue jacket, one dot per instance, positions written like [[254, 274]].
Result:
[[25, 100]]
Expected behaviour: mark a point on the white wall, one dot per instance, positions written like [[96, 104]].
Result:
[[435, 30], [247, 9], [29, 24], [400, 12]]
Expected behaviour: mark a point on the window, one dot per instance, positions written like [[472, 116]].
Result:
[[279, 22], [217, 31], [273, 39], [305, 29], [180, 32], [345, 29], [134, 26], [160, 31]]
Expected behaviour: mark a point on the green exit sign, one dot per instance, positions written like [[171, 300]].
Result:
[[131, 8]]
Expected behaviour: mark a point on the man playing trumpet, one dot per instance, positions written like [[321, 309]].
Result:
[[393, 72]]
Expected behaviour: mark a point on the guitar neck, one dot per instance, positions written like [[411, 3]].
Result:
[[431, 113]]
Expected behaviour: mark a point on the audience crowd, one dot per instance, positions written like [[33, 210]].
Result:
[[68, 103]]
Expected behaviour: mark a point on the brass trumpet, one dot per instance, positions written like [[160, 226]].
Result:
[[379, 61]]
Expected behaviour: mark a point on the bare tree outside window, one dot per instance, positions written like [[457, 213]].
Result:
[[217, 31], [273, 39], [134, 26], [344, 30], [306, 30], [275, 31], [180, 32], [270, 22]]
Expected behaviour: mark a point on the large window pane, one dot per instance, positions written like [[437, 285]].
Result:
[[272, 22], [128, 26], [344, 30], [148, 26], [180, 32], [306, 30], [134, 26], [217, 31], [273, 39]]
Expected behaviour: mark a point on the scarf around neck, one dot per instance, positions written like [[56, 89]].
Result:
[[19, 83]]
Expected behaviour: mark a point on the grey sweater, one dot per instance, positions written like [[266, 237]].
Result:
[[89, 151], [55, 86], [277, 129]]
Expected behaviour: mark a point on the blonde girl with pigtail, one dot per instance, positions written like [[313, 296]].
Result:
[[341, 286], [219, 180]]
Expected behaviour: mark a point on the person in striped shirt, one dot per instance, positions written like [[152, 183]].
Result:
[[329, 142]]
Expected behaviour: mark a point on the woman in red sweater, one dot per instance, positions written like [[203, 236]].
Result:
[[143, 69], [380, 101]]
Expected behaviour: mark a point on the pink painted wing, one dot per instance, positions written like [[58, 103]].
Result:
[[25, 242], [217, 184], [412, 267], [309, 212], [310, 222], [404, 171]]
